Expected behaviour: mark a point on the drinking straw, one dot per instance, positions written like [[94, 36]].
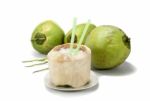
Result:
[[82, 37], [73, 35]]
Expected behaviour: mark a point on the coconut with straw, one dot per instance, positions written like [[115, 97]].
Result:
[[70, 64]]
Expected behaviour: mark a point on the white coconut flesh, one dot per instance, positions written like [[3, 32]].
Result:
[[71, 70]]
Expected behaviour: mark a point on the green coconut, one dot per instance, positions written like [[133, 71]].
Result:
[[109, 45], [46, 36], [79, 31]]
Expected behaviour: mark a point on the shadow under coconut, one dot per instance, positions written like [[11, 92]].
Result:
[[124, 69]]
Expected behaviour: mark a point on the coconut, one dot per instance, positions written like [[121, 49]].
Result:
[[66, 69], [109, 45], [78, 33], [46, 36]]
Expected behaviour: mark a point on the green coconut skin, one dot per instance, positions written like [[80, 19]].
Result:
[[109, 45], [79, 31], [47, 35]]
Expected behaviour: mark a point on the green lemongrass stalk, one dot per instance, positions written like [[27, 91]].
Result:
[[38, 59], [82, 37], [40, 70], [37, 64], [73, 35]]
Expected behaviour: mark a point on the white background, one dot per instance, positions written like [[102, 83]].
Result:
[[18, 18]]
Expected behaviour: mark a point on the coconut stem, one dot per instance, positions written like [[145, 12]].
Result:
[[38, 59], [40, 70], [37, 64]]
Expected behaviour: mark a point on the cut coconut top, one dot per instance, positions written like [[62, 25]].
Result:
[[61, 53]]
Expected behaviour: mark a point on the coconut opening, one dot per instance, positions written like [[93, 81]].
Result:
[[67, 46], [39, 38], [63, 52], [69, 38], [126, 41]]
